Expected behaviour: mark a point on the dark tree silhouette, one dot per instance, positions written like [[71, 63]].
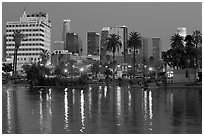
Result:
[[134, 42], [113, 44]]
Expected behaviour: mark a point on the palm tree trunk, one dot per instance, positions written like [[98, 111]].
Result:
[[113, 65], [134, 62], [196, 64], [14, 64]]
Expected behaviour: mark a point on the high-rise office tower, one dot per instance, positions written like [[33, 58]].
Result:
[[66, 29], [92, 43], [143, 51], [72, 43], [103, 44], [36, 27], [156, 45], [121, 31], [81, 50]]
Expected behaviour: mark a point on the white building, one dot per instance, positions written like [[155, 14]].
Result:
[[182, 31], [37, 29]]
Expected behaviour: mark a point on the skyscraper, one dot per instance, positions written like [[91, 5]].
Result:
[[103, 44], [66, 29], [156, 51], [92, 43], [72, 43], [36, 27], [121, 31]]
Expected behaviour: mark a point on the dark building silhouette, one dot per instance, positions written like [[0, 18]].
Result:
[[104, 36], [156, 44], [92, 43], [72, 43]]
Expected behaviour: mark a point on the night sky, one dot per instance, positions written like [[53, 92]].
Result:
[[149, 19]]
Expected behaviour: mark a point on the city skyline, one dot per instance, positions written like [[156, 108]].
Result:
[[149, 19]]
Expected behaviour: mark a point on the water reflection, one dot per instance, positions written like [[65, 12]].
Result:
[[82, 112], [41, 111], [66, 109], [102, 109], [90, 102], [118, 104], [45, 111], [105, 90], [9, 111], [147, 106], [73, 96], [150, 110], [144, 104]]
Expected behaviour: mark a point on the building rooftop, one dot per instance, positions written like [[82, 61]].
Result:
[[40, 14], [106, 29], [66, 20]]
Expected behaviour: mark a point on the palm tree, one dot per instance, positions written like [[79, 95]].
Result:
[[189, 51], [197, 39], [177, 41], [177, 44], [18, 37], [135, 42], [113, 44], [44, 55]]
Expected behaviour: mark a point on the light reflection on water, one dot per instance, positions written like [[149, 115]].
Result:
[[9, 111], [66, 108], [118, 103], [82, 112], [102, 109]]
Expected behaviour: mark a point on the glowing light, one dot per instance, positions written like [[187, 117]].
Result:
[[65, 70], [105, 91], [150, 69], [81, 69], [65, 89]]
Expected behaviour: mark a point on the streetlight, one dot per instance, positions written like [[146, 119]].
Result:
[[65, 70], [150, 69], [81, 69]]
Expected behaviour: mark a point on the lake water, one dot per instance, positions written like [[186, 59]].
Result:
[[101, 110]]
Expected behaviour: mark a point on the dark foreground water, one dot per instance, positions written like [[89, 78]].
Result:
[[101, 109]]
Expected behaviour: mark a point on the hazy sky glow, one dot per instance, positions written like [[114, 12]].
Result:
[[149, 19]]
